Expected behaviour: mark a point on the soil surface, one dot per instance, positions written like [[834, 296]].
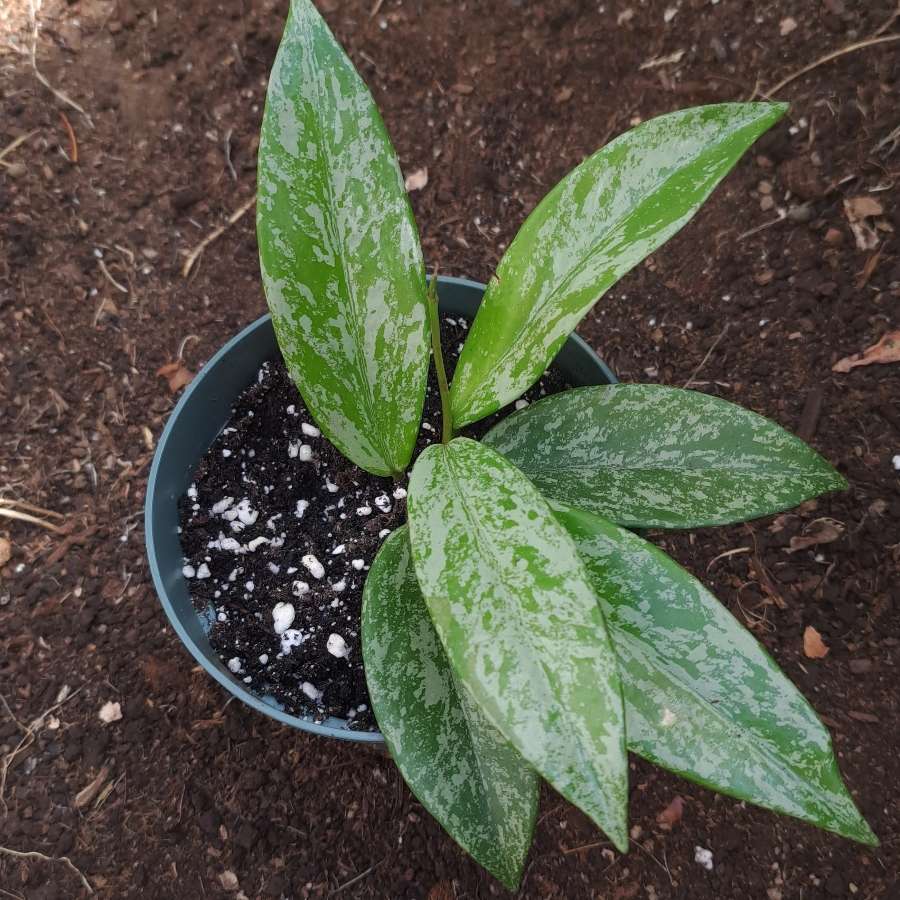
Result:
[[278, 574], [189, 795]]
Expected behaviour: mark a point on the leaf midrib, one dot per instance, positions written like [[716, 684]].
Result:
[[642, 650], [488, 797], [590, 469], [588, 764], [375, 435], [615, 224]]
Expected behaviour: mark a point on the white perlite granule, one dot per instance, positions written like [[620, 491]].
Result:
[[337, 646], [310, 691], [315, 568], [282, 616]]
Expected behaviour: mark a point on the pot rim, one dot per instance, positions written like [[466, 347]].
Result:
[[332, 726]]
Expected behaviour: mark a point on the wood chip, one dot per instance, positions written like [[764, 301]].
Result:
[[5, 552], [110, 712], [862, 716], [177, 374], [229, 881], [812, 409], [415, 181], [787, 25], [813, 645], [672, 814]]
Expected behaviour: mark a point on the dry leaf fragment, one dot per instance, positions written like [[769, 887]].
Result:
[[462, 88], [787, 25], [176, 374], [862, 207], [672, 814], [87, 794], [819, 531], [813, 645], [415, 181], [5, 552], [887, 350], [857, 210], [564, 94]]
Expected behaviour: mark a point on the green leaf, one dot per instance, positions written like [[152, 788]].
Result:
[[649, 456], [702, 697], [341, 262], [512, 605], [599, 222], [458, 765]]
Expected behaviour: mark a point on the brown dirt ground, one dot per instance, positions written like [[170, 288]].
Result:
[[498, 99]]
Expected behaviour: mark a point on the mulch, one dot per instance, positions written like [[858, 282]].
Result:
[[190, 795]]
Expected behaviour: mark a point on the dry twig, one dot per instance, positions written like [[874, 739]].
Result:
[[709, 353], [60, 95], [110, 279], [12, 509], [73, 143], [214, 235], [828, 57], [27, 739], [13, 144], [888, 22], [34, 854], [725, 555]]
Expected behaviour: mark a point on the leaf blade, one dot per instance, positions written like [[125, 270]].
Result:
[[455, 762], [702, 697], [510, 601], [340, 257], [602, 219], [650, 456]]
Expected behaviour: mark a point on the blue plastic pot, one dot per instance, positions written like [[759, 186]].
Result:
[[202, 412]]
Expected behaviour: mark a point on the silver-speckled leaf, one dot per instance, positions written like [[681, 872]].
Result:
[[649, 456], [599, 222], [702, 697], [513, 607], [458, 765], [341, 262]]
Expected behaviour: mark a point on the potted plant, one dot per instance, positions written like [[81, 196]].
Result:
[[517, 626]]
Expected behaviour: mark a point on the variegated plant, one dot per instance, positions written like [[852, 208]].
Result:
[[515, 629]]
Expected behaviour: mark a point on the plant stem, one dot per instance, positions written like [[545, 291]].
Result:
[[435, 320]]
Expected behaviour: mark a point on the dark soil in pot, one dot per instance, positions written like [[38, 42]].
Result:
[[278, 531]]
